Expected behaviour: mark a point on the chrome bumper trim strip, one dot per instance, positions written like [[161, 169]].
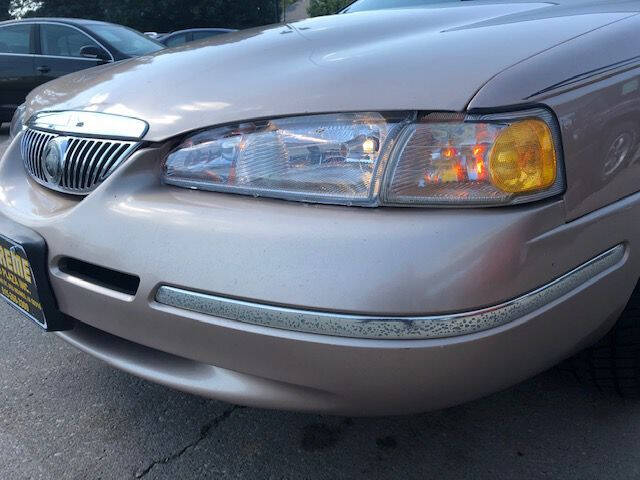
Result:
[[381, 327]]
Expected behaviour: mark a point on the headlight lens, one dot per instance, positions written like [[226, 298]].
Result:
[[372, 159], [323, 158], [17, 122], [475, 161]]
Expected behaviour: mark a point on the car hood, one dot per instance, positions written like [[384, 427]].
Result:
[[404, 59]]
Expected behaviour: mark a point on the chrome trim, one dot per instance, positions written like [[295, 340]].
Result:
[[89, 124], [86, 162], [382, 327]]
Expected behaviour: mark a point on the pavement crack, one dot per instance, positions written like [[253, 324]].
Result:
[[204, 433]]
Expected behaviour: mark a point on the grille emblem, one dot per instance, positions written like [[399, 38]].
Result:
[[52, 161]]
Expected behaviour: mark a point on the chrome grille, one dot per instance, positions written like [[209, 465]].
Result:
[[32, 146], [86, 162]]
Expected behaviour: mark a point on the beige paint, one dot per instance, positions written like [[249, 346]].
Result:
[[473, 55]]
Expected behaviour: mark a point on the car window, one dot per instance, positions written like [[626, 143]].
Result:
[[63, 41], [125, 40], [201, 35], [362, 5], [15, 39], [177, 40]]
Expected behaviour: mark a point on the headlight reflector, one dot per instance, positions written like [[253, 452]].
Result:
[[372, 159]]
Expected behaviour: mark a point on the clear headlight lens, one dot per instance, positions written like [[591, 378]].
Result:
[[371, 159], [323, 158], [17, 122]]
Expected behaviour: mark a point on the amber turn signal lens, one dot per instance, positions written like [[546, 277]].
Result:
[[523, 157]]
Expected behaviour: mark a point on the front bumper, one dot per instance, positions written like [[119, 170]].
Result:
[[338, 260], [317, 373]]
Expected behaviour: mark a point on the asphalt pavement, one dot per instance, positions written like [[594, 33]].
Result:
[[64, 415]]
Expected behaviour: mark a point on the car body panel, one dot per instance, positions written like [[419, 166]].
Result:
[[50, 67], [419, 59], [322, 257], [479, 56], [267, 368], [300, 263], [596, 98], [181, 37], [19, 76]]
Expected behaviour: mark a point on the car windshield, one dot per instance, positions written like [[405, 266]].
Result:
[[362, 5], [126, 40]]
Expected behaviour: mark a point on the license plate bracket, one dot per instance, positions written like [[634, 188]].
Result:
[[24, 279]]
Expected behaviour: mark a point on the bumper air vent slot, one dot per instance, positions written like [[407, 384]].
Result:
[[101, 276]]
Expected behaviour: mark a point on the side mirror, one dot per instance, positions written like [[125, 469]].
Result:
[[90, 51]]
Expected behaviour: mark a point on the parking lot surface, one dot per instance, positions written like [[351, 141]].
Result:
[[64, 415]]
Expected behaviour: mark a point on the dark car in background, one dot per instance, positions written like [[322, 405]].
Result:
[[37, 50], [175, 39]]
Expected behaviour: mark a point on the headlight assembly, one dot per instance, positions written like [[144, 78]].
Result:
[[373, 159], [321, 158], [17, 122]]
